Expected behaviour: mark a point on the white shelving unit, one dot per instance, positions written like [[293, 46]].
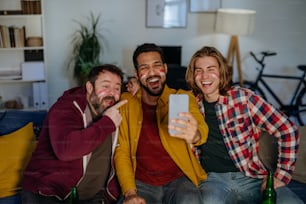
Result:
[[13, 86]]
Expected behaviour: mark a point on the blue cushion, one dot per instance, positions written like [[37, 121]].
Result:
[[12, 120], [15, 199]]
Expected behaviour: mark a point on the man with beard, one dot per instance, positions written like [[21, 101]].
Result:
[[153, 166], [75, 143]]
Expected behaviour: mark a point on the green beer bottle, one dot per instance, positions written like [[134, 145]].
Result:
[[74, 196], [269, 194]]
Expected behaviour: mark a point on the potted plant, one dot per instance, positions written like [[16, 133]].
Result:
[[87, 48]]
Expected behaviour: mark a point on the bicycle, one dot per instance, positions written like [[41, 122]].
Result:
[[297, 106]]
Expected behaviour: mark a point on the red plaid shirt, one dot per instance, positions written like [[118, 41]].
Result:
[[242, 116]]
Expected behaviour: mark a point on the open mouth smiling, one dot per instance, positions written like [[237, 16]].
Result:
[[206, 83], [154, 81]]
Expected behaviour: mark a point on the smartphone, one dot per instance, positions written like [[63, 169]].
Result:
[[177, 103]]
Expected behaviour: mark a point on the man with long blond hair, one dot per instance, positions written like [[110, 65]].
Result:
[[235, 117]]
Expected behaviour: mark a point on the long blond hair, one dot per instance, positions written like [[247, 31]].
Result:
[[226, 73]]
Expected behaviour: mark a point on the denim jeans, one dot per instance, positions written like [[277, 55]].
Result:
[[235, 187], [179, 191]]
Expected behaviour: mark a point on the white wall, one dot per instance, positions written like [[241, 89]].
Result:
[[280, 26]]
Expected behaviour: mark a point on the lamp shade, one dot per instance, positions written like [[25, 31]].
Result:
[[235, 21]]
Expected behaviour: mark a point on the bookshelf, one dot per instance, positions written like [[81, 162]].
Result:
[[22, 67]]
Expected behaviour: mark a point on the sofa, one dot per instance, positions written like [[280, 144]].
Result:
[[19, 131], [18, 135]]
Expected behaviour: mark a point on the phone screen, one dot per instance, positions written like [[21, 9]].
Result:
[[177, 103]]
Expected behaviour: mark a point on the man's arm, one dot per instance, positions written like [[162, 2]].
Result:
[[123, 154], [276, 123]]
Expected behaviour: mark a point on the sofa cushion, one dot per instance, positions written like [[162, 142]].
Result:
[[268, 150], [299, 173], [15, 151], [15, 199], [12, 120]]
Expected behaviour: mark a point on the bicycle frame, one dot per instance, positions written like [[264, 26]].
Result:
[[260, 78], [296, 107], [301, 82]]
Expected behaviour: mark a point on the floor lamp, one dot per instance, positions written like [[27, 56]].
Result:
[[236, 22]]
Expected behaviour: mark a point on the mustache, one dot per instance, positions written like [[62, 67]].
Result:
[[108, 98], [96, 102], [100, 109], [151, 77]]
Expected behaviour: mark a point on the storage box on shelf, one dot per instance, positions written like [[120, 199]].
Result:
[[22, 52]]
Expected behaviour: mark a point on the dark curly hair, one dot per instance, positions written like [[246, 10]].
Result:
[[147, 47]]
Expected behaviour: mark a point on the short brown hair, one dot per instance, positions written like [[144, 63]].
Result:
[[95, 71], [226, 72]]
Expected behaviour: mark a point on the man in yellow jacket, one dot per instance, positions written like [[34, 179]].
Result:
[[153, 166]]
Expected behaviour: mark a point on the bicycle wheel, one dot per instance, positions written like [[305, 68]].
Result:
[[301, 105], [250, 85]]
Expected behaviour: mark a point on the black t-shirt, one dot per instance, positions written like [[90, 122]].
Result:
[[214, 156]]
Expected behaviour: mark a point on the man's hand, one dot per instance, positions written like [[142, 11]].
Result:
[[131, 197], [113, 112], [277, 183], [134, 199], [188, 130]]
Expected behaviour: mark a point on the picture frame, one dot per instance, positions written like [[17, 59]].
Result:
[[197, 6], [166, 13]]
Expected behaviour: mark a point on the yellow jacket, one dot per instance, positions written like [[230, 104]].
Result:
[[178, 149]]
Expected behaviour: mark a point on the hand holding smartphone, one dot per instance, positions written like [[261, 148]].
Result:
[[178, 103]]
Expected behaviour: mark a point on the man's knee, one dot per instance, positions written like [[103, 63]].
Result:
[[189, 196]]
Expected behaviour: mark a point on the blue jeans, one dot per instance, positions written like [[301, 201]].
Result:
[[179, 191], [235, 187]]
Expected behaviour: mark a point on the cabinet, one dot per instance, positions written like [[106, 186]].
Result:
[[22, 67]]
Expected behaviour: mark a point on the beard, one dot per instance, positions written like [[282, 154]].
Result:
[[153, 92], [100, 105]]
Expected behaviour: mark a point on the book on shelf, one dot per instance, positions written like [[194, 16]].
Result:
[[12, 36], [5, 36], [19, 35], [1, 42], [31, 6], [22, 36]]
